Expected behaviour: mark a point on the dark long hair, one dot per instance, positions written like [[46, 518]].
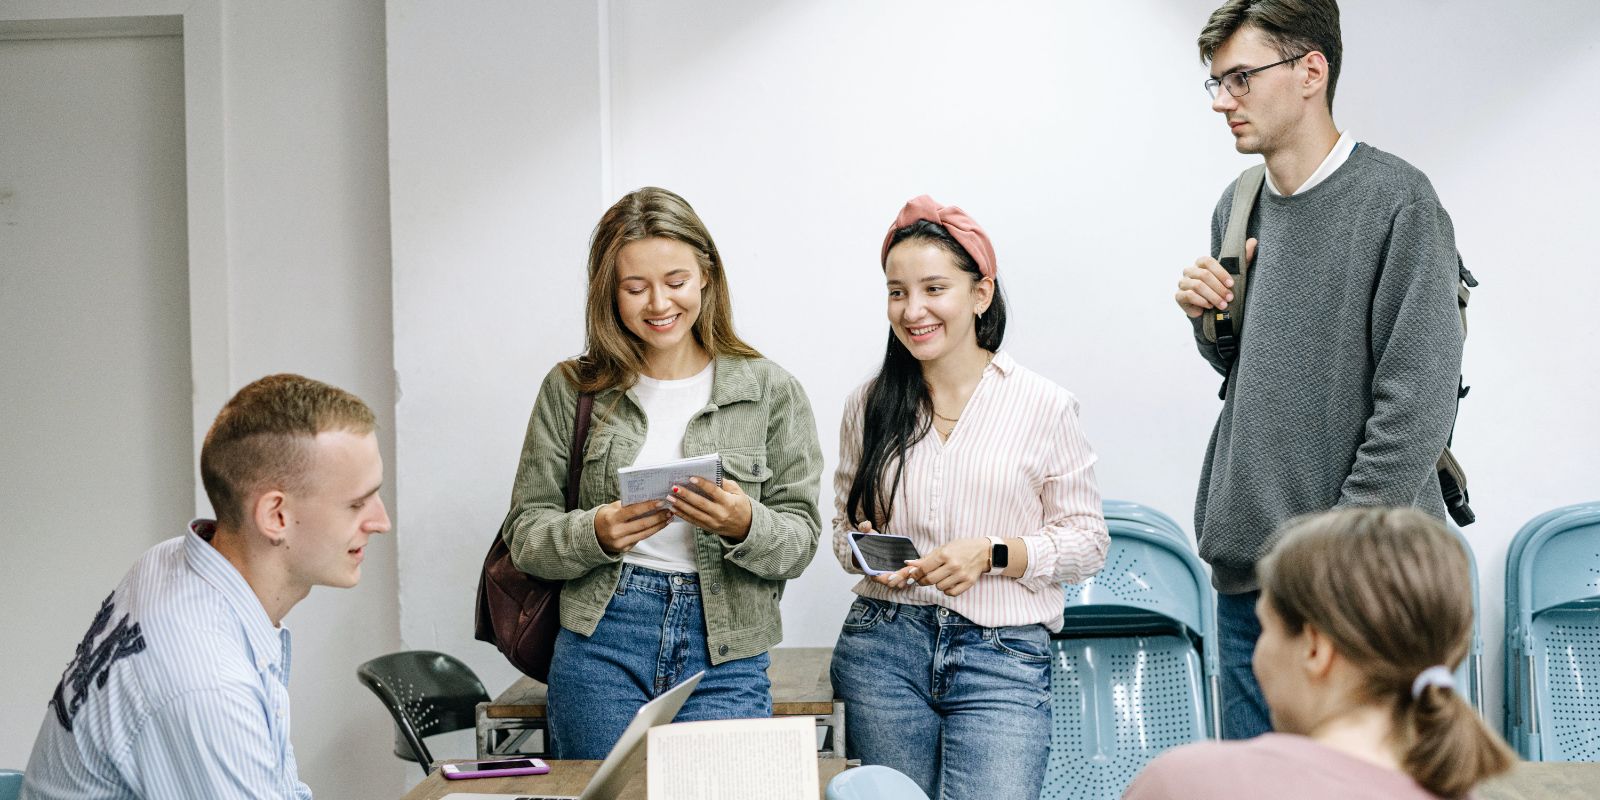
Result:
[[898, 409]]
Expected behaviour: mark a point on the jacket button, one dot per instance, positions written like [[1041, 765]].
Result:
[[722, 650], [738, 554], [716, 588]]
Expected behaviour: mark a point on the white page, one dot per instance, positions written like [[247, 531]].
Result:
[[737, 759]]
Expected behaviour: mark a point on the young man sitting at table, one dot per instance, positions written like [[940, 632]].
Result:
[[180, 687]]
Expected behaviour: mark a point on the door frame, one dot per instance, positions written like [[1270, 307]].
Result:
[[199, 22]]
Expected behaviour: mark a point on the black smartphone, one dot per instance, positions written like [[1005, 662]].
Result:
[[878, 553]]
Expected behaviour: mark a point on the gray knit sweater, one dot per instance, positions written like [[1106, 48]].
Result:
[[1344, 392]]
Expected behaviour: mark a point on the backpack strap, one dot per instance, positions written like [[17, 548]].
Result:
[[1464, 293], [1452, 478], [1225, 327]]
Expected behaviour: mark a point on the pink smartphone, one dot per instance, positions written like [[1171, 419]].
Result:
[[495, 769]]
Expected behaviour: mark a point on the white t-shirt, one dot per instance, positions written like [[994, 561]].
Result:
[[668, 407]]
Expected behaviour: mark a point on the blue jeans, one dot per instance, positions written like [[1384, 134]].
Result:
[[962, 709], [652, 637], [1244, 709]]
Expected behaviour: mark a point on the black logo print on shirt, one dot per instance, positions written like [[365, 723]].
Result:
[[93, 661]]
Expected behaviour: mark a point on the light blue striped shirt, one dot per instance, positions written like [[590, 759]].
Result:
[[178, 690]]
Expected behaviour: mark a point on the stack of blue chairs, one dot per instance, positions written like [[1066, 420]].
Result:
[[1553, 636], [1135, 666], [1469, 674]]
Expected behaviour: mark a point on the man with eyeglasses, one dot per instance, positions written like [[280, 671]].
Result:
[[1342, 386]]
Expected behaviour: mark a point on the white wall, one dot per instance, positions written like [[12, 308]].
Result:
[[298, 281], [1078, 134], [494, 148], [1507, 149], [95, 360], [308, 292]]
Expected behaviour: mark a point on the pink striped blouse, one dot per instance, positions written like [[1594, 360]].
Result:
[[1016, 465]]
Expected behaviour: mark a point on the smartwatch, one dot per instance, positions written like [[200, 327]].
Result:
[[999, 555]]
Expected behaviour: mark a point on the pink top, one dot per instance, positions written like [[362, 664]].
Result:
[[1015, 466], [1269, 767]]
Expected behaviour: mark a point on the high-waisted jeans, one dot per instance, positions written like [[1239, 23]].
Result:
[[652, 637], [962, 709]]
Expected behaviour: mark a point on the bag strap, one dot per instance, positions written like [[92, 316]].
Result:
[[1464, 291], [580, 438], [1452, 478], [1225, 327]]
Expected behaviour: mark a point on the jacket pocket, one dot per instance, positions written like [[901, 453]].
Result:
[[748, 469], [598, 484]]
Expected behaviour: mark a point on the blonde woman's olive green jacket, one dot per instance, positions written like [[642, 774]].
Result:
[[759, 420]]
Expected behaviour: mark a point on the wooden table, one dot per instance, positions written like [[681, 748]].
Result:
[[800, 688], [1529, 781], [569, 778], [1540, 780]]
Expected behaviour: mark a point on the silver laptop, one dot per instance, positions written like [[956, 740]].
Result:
[[623, 759]]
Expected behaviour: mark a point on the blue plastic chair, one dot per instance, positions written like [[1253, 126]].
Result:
[[1131, 511], [1469, 674], [1515, 723], [1512, 723], [1553, 636], [1135, 666], [10, 784], [873, 783]]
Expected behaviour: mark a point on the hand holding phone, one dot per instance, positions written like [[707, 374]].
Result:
[[495, 769]]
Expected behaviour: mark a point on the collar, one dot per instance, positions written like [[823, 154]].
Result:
[[269, 645], [1332, 162], [1002, 363], [734, 381]]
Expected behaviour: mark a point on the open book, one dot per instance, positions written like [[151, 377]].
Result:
[[655, 481], [733, 759]]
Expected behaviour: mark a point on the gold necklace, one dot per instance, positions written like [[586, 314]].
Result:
[[957, 418]]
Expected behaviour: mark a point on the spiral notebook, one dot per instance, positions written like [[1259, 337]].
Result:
[[655, 481]]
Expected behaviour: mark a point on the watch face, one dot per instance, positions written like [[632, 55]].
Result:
[[999, 555]]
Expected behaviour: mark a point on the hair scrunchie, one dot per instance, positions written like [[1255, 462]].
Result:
[[1439, 676], [964, 229]]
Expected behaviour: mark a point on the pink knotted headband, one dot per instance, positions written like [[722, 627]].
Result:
[[964, 229]]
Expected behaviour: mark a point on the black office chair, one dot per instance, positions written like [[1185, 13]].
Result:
[[427, 693]]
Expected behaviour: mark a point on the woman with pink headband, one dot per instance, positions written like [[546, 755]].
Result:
[[944, 663]]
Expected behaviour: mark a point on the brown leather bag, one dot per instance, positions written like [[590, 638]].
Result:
[[518, 613]]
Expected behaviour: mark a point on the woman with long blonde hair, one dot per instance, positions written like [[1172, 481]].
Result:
[[656, 592], [1364, 614]]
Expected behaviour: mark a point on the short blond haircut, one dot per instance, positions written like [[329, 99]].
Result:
[[261, 440]]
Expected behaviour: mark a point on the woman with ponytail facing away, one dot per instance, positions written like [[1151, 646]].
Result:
[[1364, 614]]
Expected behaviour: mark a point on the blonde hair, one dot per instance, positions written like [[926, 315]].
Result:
[[613, 357], [261, 440], [1391, 588]]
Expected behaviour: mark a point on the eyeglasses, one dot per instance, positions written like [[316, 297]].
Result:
[[1238, 83]]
